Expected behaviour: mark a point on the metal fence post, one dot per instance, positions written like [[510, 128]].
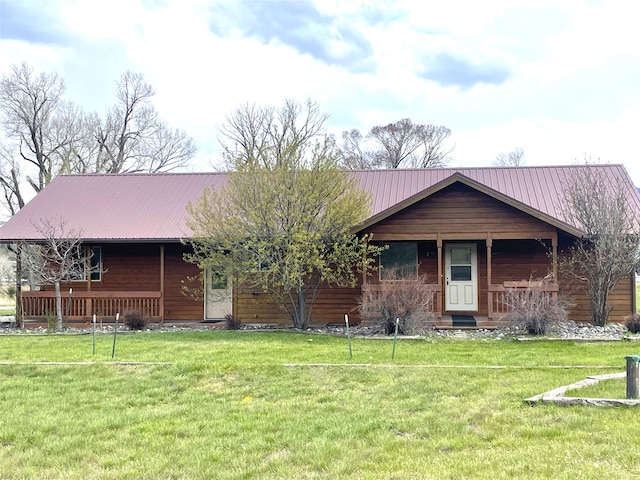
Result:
[[633, 361]]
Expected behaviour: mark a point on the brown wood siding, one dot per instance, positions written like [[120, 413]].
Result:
[[458, 209], [516, 260], [621, 298], [330, 306], [125, 267], [129, 267], [177, 272]]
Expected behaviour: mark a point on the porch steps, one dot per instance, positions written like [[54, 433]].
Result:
[[482, 322]]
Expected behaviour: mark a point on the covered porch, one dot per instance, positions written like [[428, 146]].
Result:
[[147, 279], [472, 275]]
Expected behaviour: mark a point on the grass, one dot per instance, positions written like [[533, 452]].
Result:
[[614, 388], [227, 407], [7, 303]]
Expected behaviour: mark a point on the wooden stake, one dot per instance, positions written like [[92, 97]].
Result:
[[395, 338], [115, 333]]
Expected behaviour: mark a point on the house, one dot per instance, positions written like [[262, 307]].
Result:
[[474, 233]]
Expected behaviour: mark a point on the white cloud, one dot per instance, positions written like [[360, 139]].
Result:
[[569, 84]]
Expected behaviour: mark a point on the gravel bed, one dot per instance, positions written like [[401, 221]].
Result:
[[566, 330]]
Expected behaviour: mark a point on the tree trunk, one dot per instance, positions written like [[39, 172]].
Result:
[[300, 321], [58, 307]]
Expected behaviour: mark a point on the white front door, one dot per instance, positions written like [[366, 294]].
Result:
[[218, 295], [461, 277]]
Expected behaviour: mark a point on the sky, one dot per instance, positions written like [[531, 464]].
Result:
[[559, 79]]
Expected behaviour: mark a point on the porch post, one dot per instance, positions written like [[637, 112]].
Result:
[[440, 283], [554, 255], [364, 260], [87, 268], [489, 282], [161, 284]]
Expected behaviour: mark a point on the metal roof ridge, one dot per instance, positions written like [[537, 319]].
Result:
[[140, 174]]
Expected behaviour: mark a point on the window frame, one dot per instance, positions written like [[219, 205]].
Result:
[[95, 269], [415, 265]]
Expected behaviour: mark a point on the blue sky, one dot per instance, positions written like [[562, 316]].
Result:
[[558, 79]]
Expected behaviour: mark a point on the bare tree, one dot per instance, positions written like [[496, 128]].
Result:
[[263, 134], [29, 105], [351, 152], [28, 108], [514, 158], [58, 258], [609, 249], [10, 180], [402, 144], [133, 139]]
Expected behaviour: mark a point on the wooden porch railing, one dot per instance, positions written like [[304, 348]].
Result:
[[83, 305], [498, 305]]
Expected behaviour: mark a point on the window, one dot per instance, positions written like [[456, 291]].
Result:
[[96, 263], [399, 261], [94, 260]]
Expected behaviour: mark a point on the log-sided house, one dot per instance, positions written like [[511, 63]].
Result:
[[473, 233]]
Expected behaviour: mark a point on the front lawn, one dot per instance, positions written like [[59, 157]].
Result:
[[230, 405]]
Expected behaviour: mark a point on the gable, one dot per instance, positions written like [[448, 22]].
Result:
[[459, 210]]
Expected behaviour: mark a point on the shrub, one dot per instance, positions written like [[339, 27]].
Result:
[[52, 321], [135, 320], [534, 309], [410, 300], [11, 291], [632, 322], [233, 323]]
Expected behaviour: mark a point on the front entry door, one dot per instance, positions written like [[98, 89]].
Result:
[[461, 277], [218, 295]]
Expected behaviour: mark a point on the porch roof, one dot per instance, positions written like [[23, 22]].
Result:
[[152, 207]]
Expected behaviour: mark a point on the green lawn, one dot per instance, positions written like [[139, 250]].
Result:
[[227, 407]]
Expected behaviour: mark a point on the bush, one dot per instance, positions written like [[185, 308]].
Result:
[[410, 300], [135, 320], [534, 309], [632, 322], [233, 323], [10, 291]]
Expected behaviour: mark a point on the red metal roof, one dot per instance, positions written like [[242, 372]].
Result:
[[152, 207], [128, 207]]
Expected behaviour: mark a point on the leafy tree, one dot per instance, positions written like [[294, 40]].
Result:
[[402, 144], [515, 158], [610, 247], [283, 220]]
